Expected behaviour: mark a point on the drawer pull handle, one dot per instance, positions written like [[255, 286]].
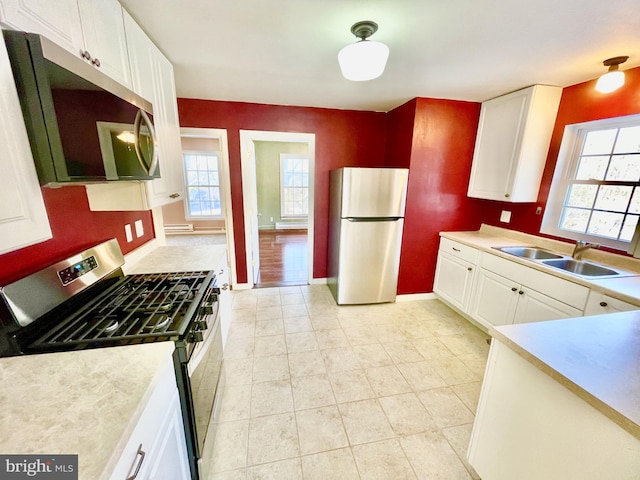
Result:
[[469, 269], [507, 195], [142, 455], [455, 249], [603, 304], [521, 292], [225, 286], [86, 55], [514, 289], [174, 195], [96, 62]]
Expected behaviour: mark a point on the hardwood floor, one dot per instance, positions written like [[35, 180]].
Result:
[[283, 258]]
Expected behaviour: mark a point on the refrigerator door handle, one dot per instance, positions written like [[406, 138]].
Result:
[[373, 219]]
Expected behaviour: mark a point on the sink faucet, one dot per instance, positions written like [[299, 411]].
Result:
[[580, 247]]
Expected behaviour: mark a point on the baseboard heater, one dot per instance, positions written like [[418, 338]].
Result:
[[179, 227], [290, 225]]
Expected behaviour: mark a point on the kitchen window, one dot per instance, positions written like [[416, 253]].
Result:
[[201, 171], [294, 185], [595, 193]]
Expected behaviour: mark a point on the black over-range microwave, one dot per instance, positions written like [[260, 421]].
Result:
[[83, 126]]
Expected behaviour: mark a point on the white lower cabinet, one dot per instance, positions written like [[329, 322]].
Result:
[[224, 299], [455, 273], [507, 292], [599, 304], [157, 450]]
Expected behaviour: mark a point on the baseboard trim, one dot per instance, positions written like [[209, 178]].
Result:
[[412, 297]]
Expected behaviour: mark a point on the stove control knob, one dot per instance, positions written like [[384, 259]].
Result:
[[207, 309], [196, 336], [201, 325]]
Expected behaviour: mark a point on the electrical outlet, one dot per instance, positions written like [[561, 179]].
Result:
[[127, 232], [538, 210], [139, 228], [271, 219], [505, 216]]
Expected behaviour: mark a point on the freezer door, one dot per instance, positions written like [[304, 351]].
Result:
[[374, 192], [369, 258]]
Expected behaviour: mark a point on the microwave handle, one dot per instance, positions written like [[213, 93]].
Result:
[[140, 117]]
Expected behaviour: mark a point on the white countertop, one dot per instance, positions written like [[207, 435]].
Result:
[[178, 259], [625, 288], [597, 358], [83, 402], [87, 402]]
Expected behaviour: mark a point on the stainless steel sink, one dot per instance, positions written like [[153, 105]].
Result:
[[533, 253], [580, 268]]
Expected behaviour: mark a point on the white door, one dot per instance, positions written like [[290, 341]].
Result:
[[536, 307], [496, 299]]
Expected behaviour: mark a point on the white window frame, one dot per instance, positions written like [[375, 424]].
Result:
[[187, 204], [568, 158], [283, 158]]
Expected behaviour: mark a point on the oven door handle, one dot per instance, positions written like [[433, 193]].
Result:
[[142, 455]]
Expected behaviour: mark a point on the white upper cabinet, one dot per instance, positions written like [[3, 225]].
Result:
[[512, 143], [104, 37], [91, 29], [152, 78], [23, 217]]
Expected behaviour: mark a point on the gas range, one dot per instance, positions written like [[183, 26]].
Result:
[[84, 302]]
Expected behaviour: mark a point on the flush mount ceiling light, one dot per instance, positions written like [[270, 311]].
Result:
[[614, 78], [365, 59]]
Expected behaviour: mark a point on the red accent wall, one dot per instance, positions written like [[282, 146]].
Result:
[[343, 138], [441, 139], [579, 103], [74, 228]]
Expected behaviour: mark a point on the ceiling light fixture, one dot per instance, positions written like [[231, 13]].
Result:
[[364, 59], [614, 78]]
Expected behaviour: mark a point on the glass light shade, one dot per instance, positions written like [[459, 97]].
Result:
[[610, 81], [363, 60]]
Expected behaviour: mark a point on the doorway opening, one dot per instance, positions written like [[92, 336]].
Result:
[[204, 216], [277, 178]]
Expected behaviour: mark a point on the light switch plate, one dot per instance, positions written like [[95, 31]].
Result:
[[127, 232], [139, 228], [505, 216]]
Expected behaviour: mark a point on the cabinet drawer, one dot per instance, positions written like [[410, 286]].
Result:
[[555, 287], [459, 250], [600, 304]]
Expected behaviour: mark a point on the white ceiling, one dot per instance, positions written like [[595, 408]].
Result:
[[285, 51]]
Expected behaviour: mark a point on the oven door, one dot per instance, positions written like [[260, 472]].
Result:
[[204, 367]]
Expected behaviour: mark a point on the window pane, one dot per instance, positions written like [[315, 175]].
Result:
[[613, 197], [624, 168], [582, 195], [634, 207], [203, 178], [628, 140], [605, 224], [575, 219], [599, 142], [192, 178], [592, 168], [628, 228], [190, 162], [202, 162]]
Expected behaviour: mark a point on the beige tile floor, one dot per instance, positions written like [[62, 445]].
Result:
[[317, 391]]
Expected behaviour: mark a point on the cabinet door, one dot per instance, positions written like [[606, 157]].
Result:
[[499, 133], [170, 186], [454, 280], [536, 307], [496, 299], [168, 455], [23, 217], [600, 304], [104, 37], [59, 21], [140, 49], [224, 299]]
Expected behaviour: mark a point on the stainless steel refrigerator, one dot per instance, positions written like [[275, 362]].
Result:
[[365, 233]]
